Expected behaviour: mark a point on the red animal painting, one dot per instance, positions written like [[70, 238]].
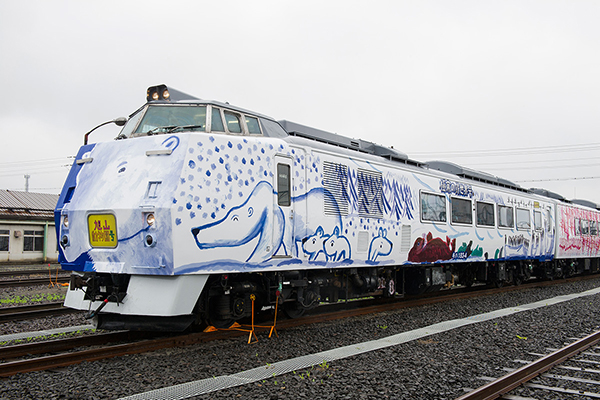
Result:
[[428, 249]]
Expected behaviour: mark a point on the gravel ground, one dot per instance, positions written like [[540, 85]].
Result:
[[437, 367]]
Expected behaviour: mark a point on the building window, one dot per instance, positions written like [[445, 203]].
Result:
[[505, 217], [4, 236], [462, 211], [485, 214], [33, 241], [433, 207]]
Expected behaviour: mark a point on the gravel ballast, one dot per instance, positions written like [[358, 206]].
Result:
[[437, 367]]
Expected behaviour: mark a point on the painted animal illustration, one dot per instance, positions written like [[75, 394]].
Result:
[[380, 245], [337, 247], [468, 251], [253, 218], [258, 217], [430, 249], [314, 245]]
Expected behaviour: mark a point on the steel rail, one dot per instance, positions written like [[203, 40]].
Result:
[[53, 346], [34, 311], [32, 282], [508, 382], [66, 359], [30, 272]]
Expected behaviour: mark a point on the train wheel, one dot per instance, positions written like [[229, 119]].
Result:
[[219, 310], [293, 309]]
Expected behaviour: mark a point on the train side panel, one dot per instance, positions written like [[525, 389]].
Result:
[[578, 235]]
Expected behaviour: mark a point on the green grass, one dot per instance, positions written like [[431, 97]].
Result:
[[36, 298]]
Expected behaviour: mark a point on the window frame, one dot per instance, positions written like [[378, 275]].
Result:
[[493, 214], [585, 227], [245, 118], [528, 219], [460, 199], [5, 233], [535, 224], [283, 202], [594, 225], [423, 193], [35, 234], [512, 214]]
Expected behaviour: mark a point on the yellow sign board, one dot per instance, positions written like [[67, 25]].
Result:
[[103, 230]]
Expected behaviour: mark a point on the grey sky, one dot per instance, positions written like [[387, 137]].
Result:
[[435, 79]]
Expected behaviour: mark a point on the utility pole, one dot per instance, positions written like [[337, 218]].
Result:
[[27, 176]]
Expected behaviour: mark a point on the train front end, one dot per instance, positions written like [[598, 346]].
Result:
[[114, 223]]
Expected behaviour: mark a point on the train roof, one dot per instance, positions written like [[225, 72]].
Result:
[[586, 203], [295, 129], [463, 172]]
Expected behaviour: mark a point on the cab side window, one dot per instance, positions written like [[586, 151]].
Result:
[[217, 122], [233, 122], [253, 126]]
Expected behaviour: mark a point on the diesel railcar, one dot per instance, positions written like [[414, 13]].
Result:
[[200, 210]]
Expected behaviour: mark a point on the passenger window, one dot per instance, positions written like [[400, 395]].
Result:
[[283, 185], [505, 217], [585, 228], [217, 122], [462, 211], [233, 122], [485, 214], [523, 219], [537, 220], [433, 207], [577, 227], [252, 124], [593, 228]]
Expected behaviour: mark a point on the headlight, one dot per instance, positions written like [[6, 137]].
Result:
[[150, 219], [65, 221]]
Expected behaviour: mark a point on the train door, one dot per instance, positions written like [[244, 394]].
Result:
[[284, 202]]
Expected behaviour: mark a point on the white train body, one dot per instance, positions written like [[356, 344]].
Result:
[[218, 196]]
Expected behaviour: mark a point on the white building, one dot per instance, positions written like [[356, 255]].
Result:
[[27, 232]]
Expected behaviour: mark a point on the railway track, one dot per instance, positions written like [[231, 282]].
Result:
[[32, 282], [554, 361], [28, 272], [34, 311], [149, 342]]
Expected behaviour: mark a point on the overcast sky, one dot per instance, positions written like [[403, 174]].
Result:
[[461, 81]]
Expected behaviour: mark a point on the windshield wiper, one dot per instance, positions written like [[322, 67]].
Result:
[[176, 128], [155, 130]]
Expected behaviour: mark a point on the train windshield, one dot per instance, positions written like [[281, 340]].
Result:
[[166, 119]]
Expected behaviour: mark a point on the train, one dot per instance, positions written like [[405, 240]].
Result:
[[200, 212]]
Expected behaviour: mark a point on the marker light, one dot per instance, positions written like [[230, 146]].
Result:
[[65, 221], [150, 219]]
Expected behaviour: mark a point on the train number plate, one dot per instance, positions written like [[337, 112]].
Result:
[[103, 230]]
